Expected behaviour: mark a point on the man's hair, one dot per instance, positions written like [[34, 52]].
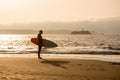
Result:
[[41, 31]]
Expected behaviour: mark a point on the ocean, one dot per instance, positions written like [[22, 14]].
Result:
[[100, 44]]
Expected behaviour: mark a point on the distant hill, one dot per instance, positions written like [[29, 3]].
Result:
[[81, 32]]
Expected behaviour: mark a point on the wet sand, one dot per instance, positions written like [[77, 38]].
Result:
[[57, 69]]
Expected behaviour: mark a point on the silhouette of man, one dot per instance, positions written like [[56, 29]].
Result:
[[40, 42]]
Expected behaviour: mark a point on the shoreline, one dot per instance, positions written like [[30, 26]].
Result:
[[57, 69], [109, 58]]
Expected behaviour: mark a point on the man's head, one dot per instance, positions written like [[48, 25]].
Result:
[[41, 31]]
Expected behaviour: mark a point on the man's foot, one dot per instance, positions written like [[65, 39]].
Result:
[[39, 57]]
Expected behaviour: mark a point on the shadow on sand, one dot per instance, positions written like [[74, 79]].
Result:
[[55, 63]]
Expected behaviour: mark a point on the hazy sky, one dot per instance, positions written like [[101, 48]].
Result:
[[17, 11]]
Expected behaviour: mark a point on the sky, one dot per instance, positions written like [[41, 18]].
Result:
[[26, 11]]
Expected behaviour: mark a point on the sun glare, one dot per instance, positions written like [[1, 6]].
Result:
[[10, 3], [8, 37]]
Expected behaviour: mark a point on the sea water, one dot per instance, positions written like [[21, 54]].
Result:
[[67, 44]]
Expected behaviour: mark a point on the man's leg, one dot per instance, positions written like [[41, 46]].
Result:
[[39, 51]]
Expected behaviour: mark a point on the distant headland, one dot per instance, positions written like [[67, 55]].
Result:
[[81, 32]]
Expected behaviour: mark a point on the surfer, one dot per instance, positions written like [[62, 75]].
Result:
[[40, 43]]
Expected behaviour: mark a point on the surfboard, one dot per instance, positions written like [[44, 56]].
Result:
[[46, 43]]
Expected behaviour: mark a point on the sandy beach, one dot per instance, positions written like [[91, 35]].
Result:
[[57, 69]]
